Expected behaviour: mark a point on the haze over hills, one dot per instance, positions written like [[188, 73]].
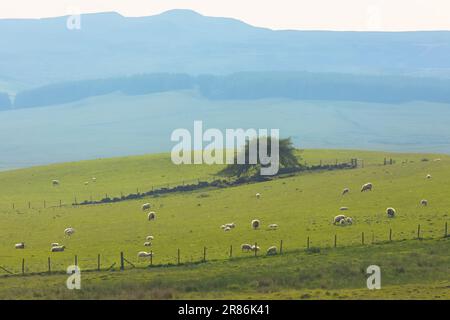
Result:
[[39, 52]]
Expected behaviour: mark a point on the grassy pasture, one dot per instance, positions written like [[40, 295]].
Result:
[[302, 206]]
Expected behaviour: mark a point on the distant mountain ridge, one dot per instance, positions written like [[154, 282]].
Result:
[[38, 52]]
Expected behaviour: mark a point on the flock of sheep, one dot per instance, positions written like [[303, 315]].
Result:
[[55, 246], [255, 225], [148, 243], [343, 220]]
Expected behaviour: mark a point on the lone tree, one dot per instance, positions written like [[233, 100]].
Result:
[[287, 158]]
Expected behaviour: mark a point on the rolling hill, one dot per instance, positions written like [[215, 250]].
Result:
[[303, 206], [184, 41]]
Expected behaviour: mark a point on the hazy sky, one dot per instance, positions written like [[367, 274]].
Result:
[[383, 15]]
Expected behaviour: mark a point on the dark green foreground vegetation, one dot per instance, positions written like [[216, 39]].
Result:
[[415, 269]]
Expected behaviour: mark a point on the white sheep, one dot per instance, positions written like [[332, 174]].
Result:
[[345, 191], [349, 220], [338, 219], [272, 251], [20, 245], [246, 247], [223, 226], [55, 182], [227, 229], [273, 226], [390, 212], [147, 244], [69, 231], [258, 195], [149, 238], [86, 183], [367, 187], [143, 254], [424, 202], [58, 249], [256, 224], [94, 179], [255, 248], [146, 206], [55, 244], [428, 176], [230, 225], [151, 216], [343, 222]]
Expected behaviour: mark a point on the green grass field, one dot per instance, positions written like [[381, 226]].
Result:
[[303, 206]]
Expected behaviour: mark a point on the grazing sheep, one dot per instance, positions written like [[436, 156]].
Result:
[[55, 182], [86, 183], [424, 202], [343, 208], [349, 220], [345, 191], [146, 206], [94, 179], [390, 212], [255, 248], [149, 238], [20, 245], [246, 247], [69, 231], [272, 251], [256, 224], [223, 226], [55, 244], [147, 244], [143, 254], [338, 219], [428, 176], [343, 222], [58, 249], [227, 229], [151, 216], [273, 226], [230, 225], [258, 195], [367, 187], [437, 160]]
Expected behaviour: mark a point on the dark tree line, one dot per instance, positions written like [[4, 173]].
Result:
[[249, 85]]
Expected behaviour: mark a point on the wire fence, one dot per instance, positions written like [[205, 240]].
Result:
[[103, 263]]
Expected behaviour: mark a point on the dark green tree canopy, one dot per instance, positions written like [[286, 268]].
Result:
[[287, 158]]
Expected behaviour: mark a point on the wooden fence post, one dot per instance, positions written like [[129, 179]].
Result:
[[76, 260], [29, 205], [151, 258], [256, 249], [307, 243], [231, 251], [204, 254], [122, 266], [178, 260], [446, 230], [418, 231], [281, 246], [23, 266], [14, 206], [60, 203], [390, 234], [335, 240], [49, 265], [362, 238], [98, 262]]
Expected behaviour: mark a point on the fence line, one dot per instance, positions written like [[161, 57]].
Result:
[[203, 259]]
